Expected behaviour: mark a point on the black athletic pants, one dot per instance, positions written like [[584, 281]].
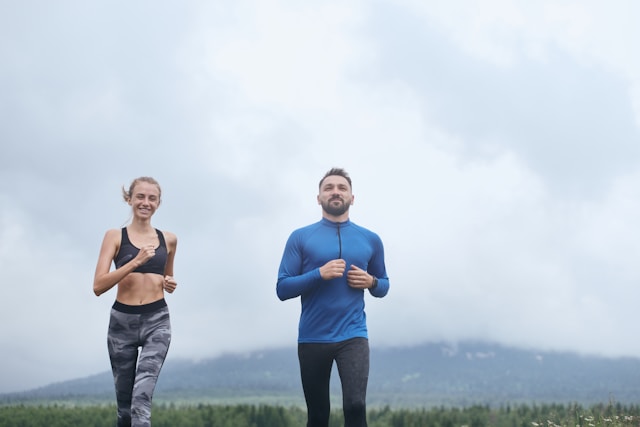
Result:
[[352, 359]]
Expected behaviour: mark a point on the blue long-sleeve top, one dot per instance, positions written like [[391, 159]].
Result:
[[332, 311]]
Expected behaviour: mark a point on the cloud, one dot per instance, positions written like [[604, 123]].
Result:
[[494, 150]]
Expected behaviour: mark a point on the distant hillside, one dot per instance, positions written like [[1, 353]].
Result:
[[427, 375]]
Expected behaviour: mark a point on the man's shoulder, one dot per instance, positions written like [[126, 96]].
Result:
[[364, 230], [307, 228], [359, 227]]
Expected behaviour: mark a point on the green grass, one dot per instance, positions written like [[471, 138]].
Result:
[[256, 415]]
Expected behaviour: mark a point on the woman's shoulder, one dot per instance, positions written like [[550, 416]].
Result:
[[112, 238], [169, 237], [113, 234]]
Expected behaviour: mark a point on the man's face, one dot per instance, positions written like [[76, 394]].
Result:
[[335, 195]]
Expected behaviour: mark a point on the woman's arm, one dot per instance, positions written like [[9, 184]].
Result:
[[104, 279], [172, 244]]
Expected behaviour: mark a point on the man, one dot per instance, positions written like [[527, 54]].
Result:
[[329, 265]]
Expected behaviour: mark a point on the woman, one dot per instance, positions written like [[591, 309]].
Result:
[[143, 258]]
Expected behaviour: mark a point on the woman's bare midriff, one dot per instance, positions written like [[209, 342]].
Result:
[[140, 288]]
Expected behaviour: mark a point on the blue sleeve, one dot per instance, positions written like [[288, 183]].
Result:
[[377, 268], [292, 281]]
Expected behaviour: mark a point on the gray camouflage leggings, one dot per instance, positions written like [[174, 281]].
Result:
[[131, 327]]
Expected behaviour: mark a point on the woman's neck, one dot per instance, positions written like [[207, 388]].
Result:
[[141, 226]]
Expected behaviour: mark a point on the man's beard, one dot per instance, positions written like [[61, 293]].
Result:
[[335, 210]]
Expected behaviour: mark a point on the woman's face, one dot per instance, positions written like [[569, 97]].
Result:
[[145, 199]]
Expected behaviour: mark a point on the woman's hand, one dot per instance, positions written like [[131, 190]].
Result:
[[144, 255], [170, 284]]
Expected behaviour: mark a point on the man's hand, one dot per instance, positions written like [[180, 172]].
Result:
[[358, 278], [333, 269]]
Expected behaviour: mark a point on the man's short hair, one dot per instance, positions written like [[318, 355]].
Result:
[[339, 172]]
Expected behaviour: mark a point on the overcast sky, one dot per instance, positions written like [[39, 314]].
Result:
[[494, 146]]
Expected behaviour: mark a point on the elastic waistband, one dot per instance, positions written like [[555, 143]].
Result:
[[139, 309]]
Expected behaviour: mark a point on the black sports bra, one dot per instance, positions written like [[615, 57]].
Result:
[[127, 252]]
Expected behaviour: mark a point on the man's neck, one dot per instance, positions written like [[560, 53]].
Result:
[[333, 218]]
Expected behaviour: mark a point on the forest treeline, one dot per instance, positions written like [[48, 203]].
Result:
[[203, 415]]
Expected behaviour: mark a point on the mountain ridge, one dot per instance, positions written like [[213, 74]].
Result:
[[426, 375]]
